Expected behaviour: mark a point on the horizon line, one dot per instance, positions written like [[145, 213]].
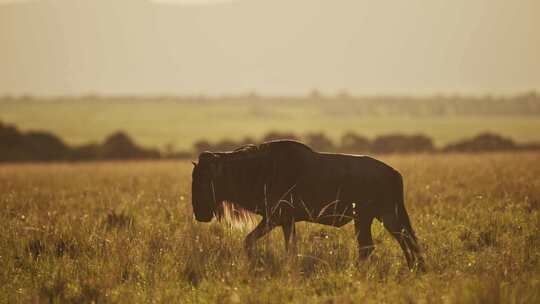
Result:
[[315, 93]]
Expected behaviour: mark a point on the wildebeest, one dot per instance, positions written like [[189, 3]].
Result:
[[286, 182]]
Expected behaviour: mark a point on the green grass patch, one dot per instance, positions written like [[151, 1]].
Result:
[[155, 123]]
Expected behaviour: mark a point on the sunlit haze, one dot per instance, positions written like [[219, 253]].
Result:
[[67, 47]]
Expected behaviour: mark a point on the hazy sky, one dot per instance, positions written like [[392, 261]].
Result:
[[59, 47], [162, 1], [194, 1]]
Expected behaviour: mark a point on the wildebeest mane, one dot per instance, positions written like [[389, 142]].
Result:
[[248, 172], [251, 151], [241, 168]]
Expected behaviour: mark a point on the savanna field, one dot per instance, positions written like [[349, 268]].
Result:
[[123, 232]]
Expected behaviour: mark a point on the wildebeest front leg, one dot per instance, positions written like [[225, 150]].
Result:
[[262, 229], [289, 234], [362, 225]]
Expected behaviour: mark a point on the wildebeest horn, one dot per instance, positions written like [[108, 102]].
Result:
[[241, 153]]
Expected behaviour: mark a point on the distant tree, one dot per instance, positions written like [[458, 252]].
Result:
[[319, 142], [11, 143], [352, 142], [90, 151], [9, 135], [398, 143], [45, 146], [483, 142], [120, 146], [16, 146]]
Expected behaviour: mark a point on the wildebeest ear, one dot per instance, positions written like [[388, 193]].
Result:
[[194, 164], [208, 156]]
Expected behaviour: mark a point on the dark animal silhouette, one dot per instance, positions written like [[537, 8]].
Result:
[[286, 182]]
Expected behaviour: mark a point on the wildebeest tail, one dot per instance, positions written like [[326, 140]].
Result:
[[400, 208]]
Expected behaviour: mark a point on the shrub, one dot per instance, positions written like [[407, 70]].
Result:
[[398, 143], [352, 142], [483, 142], [319, 142]]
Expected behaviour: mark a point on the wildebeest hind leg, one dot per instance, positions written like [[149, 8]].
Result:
[[261, 230], [396, 229], [362, 225]]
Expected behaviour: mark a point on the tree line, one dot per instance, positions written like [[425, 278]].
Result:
[[352, 142], [44, 146], [17, 146], [526, 103]]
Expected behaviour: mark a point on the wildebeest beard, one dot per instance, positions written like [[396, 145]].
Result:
[[239, 180]]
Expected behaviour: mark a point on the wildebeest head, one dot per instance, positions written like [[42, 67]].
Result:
[[203, 192]]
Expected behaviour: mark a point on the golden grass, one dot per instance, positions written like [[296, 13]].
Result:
[[124, 232]]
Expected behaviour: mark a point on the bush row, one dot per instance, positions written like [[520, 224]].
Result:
[[352, 142], [43, 146]]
